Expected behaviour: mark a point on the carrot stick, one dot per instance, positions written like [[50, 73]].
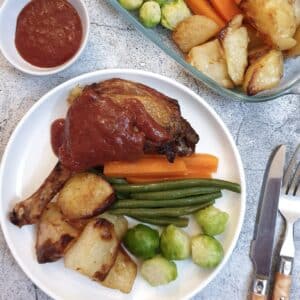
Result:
[[198, 173], [202, 7], [201, 174], [226, 8], [197, 160], [145, 167], [201, 161]]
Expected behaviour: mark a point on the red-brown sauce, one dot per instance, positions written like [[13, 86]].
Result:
[[57, 134], [48, 33], [97, 130]]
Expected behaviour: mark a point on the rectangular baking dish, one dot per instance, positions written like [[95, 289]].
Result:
[[290, 83]]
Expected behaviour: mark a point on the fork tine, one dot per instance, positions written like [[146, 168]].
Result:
[[288, 175], [295, 181]]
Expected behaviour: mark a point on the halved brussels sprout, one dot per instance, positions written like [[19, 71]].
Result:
[[173, 12], [212, 220], [158, 270], [131, 4], [207, 252], [174, 243]]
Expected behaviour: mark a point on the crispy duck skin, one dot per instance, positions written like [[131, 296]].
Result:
[[29, 210], [164, 110]]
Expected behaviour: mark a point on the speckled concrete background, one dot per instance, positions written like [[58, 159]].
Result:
[[257, 129]]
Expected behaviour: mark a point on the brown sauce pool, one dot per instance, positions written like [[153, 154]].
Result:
[[48, 32]]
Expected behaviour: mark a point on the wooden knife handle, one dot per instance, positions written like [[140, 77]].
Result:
[[282, 287], [257, 297]]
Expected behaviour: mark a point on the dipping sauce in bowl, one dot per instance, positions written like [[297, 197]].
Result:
[[48, 32]]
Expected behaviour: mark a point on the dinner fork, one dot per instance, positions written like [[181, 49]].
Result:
[[289, 207]]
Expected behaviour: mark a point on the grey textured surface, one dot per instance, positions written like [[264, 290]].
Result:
[[257, 129]]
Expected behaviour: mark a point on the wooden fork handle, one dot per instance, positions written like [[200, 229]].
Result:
[[282, 287], [283, 279]]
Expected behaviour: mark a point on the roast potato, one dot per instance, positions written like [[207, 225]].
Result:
[[122, 274], [54, 235], [234, 39], [209, 59], [85, 195], [120, 224], [79, 224], [256, 39], [95, 251], [265, 73], [194, 31], [295, 51], [256, 53], [297, 11], [274, 18]]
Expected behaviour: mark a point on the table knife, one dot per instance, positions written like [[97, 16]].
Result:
[[262, 243]]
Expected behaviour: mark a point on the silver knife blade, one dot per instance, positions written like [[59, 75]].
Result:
[[262, 244]]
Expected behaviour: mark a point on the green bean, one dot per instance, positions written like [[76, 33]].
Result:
[[132, 203], [114, 180], [121, 196], [175, 194], [160, 212], [178, 184], [164, 221]]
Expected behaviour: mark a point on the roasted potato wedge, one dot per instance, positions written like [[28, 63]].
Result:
[[122, 274], [256, 53], [265, 73], [274, 18], [120, 224], [256, 39], [194, 31], [209, 59], [95, 251], [85, 195], [297, 11], [30, 210], [295, 51], [79, 224], [54, 235], [234, 39]]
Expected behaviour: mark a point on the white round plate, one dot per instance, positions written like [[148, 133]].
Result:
[[28, 159]]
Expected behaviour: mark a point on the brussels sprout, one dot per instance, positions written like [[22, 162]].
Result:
[[158, 270], [142, 241], [207, 252], [150, 14], [173, 13], [174, 243], [161, 2], [131, 4], [212, 220]]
